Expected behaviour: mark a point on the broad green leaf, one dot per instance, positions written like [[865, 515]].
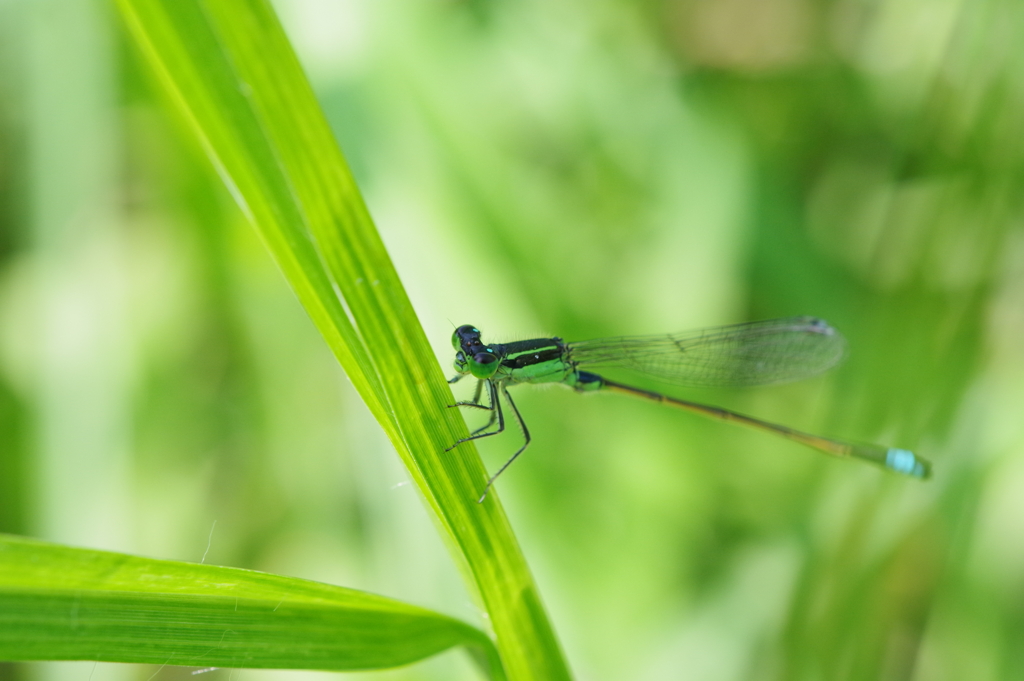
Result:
[[229, 70], [61, 603]]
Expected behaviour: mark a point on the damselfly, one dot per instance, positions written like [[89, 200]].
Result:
[[757, 353]]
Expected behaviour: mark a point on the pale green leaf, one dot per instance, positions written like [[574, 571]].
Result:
[[61, 603]]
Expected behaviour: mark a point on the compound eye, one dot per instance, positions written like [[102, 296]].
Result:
[[465, 334], [483, 365]]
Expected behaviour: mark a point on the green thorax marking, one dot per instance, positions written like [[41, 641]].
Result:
[[541, 360]]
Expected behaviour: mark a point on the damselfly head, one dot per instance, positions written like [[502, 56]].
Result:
[[473, 356]]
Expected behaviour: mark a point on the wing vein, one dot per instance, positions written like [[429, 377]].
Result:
[[755, 353]]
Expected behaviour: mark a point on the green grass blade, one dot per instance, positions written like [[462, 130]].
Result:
[[230, 70], [61, 603]]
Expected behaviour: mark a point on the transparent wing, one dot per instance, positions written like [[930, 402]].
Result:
[[758, 353]]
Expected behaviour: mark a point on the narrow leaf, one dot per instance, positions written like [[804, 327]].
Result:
[[61, 603], [229, 69]]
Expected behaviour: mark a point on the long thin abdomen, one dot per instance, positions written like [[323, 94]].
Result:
[[898, 460]]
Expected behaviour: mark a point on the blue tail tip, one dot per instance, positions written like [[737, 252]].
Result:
[[906, 462]]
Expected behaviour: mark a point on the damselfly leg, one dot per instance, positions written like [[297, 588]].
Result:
[[526, 436], [495, 393], [494, 408]]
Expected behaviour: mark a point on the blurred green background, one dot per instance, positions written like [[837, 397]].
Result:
[[553, 167]]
